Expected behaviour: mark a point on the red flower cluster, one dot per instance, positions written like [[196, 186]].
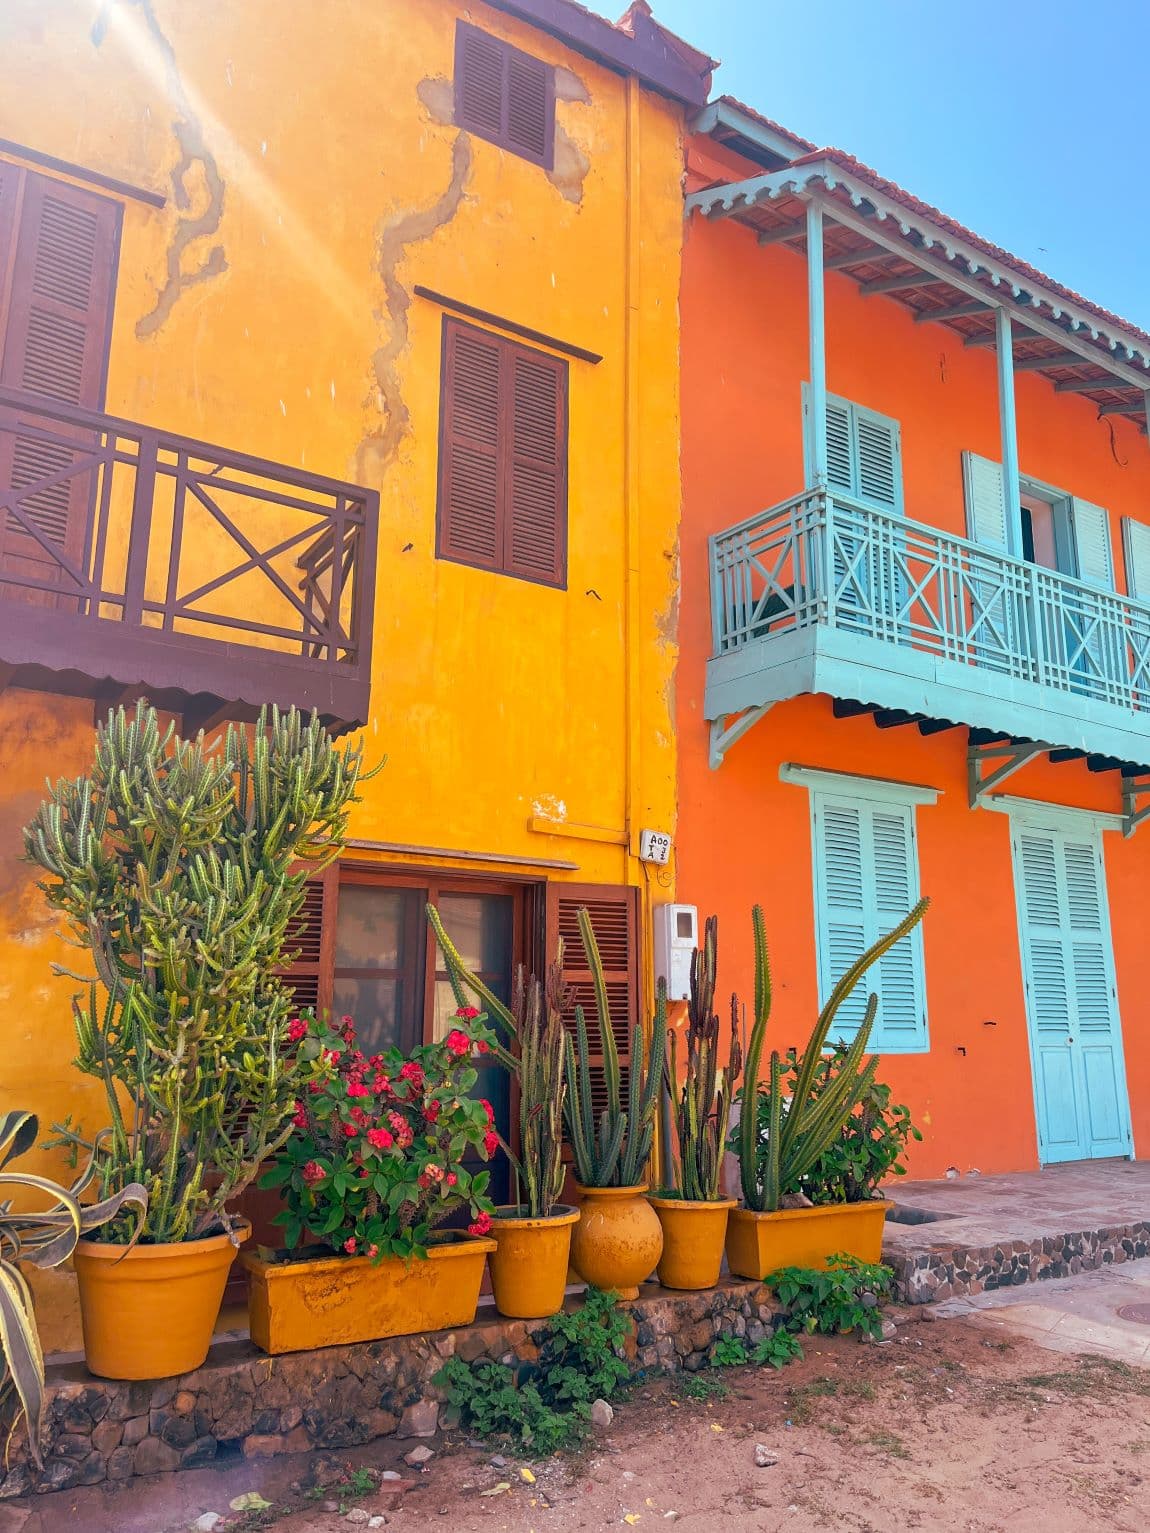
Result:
[[481, 1225], [459, 1043], [297, 1029]]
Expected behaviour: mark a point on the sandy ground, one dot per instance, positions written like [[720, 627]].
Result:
[[944, 1428]]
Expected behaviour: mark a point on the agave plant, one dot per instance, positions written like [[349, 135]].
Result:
[[701, 1105], [42, 1238], [613, 1152], [801, 1126], [534, 1021]]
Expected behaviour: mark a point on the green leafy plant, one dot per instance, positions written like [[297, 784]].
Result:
[[698, 1386], [41, 1238], [376, 1159], [802, 1124], [614, 1152], [729, 1352], [845, 1297], [701, 1106], [545, 1406], [777, 1349], [180, 866], [869, 1147], [534, 1055]]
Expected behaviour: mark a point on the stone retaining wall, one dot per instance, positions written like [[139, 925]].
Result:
[[243, 1402], [946, 1271]]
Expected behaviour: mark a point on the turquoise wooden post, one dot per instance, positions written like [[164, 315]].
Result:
[[1008, 429], [816, 327]]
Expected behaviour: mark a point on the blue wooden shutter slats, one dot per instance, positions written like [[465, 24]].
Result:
[[864, 452], [866, 879]]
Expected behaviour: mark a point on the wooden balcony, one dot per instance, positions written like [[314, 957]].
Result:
[[133, 561], [824, 594]]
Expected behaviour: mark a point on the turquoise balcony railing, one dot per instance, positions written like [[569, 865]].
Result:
[[824, 594]]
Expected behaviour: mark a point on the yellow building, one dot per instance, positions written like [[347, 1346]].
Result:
[[339, 367]]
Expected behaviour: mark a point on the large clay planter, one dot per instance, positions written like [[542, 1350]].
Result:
[[329, 1301], [150, 1314], [529, 1263], [693, 1238], [618, 1240], [759, 1244]]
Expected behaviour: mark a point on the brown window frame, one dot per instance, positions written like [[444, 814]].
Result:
[[508, 54], [502, 563]]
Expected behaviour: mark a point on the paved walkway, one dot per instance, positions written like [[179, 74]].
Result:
[[1105, 1312]]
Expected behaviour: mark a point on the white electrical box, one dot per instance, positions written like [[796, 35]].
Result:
[[654, 846], [676, 937]]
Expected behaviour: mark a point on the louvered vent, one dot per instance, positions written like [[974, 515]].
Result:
[[66, 253], [504, 95]]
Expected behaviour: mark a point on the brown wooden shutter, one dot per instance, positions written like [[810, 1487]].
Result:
[[311, 936], [55, 330], [469, 468], [536, 492], [614, 912], [504, 95], [502, 456]]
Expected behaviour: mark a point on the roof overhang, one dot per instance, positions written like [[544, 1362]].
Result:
[[895, 249]]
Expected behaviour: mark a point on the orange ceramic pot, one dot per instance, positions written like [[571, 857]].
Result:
[[529, 1263], [693, 1239], [150, 1313], [618, 1240], [759, 1244], [329, 1301]]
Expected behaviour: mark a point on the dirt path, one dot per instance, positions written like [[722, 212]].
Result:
[[943, 1430]]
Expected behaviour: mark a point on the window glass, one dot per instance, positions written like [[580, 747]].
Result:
[[379, 961]]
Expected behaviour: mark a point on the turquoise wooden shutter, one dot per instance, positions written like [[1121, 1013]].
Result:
[[985, 502], [1091, 526], [842, 473], [866, 879], [1136, 543], [878, 452]]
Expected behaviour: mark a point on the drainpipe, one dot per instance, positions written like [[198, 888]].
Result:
[[632, 620]]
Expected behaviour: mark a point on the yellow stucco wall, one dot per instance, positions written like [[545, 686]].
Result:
[[274, 313]]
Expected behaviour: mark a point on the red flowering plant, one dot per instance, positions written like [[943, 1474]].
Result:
[[376, 1158]]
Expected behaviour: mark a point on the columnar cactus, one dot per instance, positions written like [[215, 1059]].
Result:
[[701, 1106], [802, 1126]]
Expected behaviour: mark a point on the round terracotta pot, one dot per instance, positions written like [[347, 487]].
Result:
[[618, 1240], [693, 1238], [529, 1264], [150, 1314]]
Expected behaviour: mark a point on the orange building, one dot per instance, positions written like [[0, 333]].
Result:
[[915, 643]]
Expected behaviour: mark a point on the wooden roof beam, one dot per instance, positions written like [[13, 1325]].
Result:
[[854, 258], [1071, 385], [1123, 407], [1036, 364], [954, 311], [789, 231], [907, 279]]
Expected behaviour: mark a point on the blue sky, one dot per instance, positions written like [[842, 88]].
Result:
[[1024, 120]]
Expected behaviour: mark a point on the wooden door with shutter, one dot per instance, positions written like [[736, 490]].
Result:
[[59, 247], [614, 912]]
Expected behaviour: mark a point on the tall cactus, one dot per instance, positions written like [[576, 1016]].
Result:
[[804, 1125], [614, 1152], [180, 866], [534, 1021], [702, 1104]]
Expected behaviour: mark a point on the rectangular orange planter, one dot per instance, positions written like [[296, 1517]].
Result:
[[759, 1244], [331, 1301]]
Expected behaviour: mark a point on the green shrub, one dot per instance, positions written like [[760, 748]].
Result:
[[777, 1349], [844, 1297], [729, 1352], [545, 1406]]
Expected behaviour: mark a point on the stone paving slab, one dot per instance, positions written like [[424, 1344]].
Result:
[[988, 1232], [1073, 1315]]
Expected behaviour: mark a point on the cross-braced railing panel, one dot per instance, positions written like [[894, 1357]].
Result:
[[823, 560], [108, 520]]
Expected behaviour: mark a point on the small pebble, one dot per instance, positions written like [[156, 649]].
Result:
[[391, 1474], [764, 1457], [418, 1456], [497, 1461], [358, 1514], [377, 1521], [207, 1523], [602, 1414]]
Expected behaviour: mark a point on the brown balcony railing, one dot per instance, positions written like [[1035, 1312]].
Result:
[[215, 581]]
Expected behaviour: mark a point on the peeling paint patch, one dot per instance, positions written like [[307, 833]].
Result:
[[437, 95], [549, 807], [378, 449], [570, 168], [569, 87], [196, 180]]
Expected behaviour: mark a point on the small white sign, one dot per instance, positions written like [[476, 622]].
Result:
[[654, 846]]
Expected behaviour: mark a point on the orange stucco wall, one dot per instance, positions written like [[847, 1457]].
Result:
[[743, 835]]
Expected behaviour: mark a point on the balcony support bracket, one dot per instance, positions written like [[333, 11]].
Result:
[[1135, 803], [1011, 756], [725, 731]]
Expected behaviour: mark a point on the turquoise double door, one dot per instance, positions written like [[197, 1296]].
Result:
[[1081, 1100]]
